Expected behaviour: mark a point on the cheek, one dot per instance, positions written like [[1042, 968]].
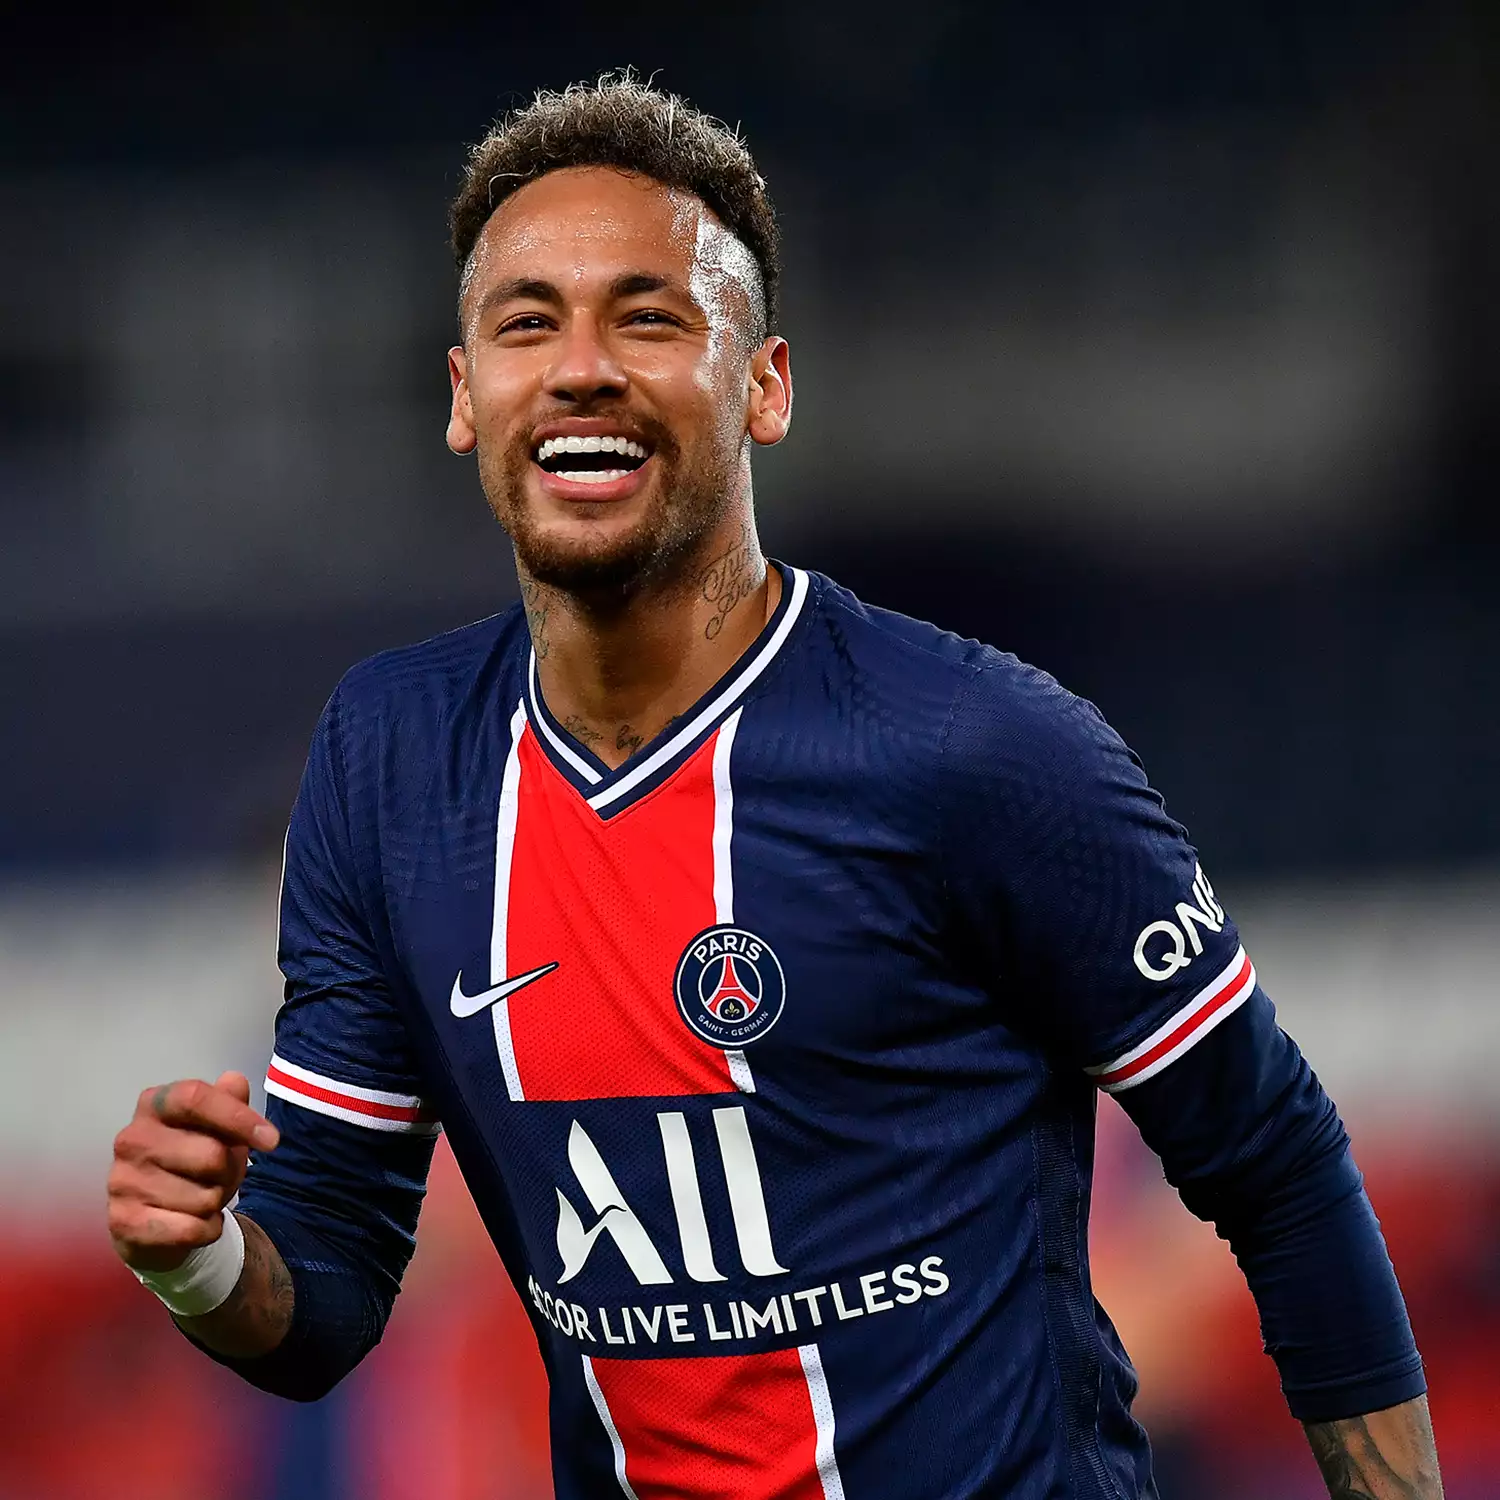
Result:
[[701, 395], [714, 368], [500, 391], [725, 386]]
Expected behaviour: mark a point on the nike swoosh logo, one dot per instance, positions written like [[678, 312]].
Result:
[[463, 1005]]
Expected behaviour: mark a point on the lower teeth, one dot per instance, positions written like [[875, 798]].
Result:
[[592, 476]]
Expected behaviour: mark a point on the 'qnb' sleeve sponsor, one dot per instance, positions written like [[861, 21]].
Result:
[[340, 1195], [1096, 917], [1106, 943]]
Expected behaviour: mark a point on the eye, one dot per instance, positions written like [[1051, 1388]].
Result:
[[652, 317], [524, 323]]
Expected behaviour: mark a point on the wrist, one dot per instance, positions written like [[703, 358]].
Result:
[[205, 1278]]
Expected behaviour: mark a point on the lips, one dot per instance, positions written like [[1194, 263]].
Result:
[[593, 460], [594, 491]]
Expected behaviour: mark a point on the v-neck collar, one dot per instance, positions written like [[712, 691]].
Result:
[[609, 790]]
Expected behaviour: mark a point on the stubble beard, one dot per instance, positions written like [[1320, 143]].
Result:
[[688, 504]]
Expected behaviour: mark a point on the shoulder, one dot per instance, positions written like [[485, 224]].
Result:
[[1009, 753], [434, 676], [989, 700], [391, 713], [1012, 715], [875, 640]]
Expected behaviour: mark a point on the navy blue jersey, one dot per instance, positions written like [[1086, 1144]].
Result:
[[771, 1056]]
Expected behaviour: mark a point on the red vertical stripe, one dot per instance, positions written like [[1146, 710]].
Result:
[[613, 903], [737, 1427]]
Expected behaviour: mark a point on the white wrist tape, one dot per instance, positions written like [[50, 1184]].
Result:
[[206, 1278]]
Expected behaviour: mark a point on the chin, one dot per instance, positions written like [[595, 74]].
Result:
[[590, 564], [619, 548]]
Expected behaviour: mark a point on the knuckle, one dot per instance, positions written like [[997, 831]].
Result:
[[190, 1095], [158, 1102], [196, 1199], [157, 1230], [132, 1144], [204, 1230], [208, 1161], [123, 1219]]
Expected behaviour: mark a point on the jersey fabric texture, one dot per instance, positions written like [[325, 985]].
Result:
[[771, 1057]]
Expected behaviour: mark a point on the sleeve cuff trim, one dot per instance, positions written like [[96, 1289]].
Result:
[[373, 1108], [1215, 1002], [1338, 1403]]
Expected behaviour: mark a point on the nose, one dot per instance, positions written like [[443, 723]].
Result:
[[584, 369]]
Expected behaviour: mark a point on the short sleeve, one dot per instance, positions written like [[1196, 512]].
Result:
[[1090, 909], [342, 1047]]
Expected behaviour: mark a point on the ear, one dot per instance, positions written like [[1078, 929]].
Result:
[[769, 412], [462, 437]]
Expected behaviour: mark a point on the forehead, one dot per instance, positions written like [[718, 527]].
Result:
[[588, 210], [584, 225]]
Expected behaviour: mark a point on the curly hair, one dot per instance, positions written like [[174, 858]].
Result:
[[618, 121]]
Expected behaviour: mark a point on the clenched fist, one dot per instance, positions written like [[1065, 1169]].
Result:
[[177, 1164]]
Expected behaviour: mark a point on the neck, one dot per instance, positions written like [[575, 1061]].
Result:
[[616, 674]]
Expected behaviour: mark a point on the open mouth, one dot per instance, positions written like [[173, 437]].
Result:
[[591, 460]]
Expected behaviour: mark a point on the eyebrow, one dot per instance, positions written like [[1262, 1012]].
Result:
[[532, 289], [520, 289], [637, 283]]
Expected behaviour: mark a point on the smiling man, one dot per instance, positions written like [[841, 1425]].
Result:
[[760, 952]]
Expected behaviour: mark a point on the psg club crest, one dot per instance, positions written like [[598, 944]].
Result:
[[730, 988]]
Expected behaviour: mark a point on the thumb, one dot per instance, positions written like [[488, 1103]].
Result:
[[236, 1084]]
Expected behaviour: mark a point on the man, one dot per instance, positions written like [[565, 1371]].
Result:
[[760, 952]]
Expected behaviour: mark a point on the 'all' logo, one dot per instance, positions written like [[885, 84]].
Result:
[[730, 988]]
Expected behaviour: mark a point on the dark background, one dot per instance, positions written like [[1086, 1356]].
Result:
[[1156, 346]]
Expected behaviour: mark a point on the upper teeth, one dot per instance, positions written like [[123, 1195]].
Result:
[[623, 445]]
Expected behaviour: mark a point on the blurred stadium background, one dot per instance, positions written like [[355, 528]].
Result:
[[1157, 348]]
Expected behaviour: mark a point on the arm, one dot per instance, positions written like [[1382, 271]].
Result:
[[1386, 1455], [328, 1222], [1253, 1144], [329, 1217], [336, 1206], [1088, 899]]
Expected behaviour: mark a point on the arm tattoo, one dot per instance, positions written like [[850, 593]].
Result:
[[729, 578], [263, 1294], [257, 1314], [1359, 1464]]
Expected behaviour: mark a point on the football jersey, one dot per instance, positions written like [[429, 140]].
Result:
[[770, 1056]]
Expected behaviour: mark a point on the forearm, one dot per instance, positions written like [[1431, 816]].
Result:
[[1255, 1146], [334, 1213], [257, 1315], [1386, 1455], [304, 1315]]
